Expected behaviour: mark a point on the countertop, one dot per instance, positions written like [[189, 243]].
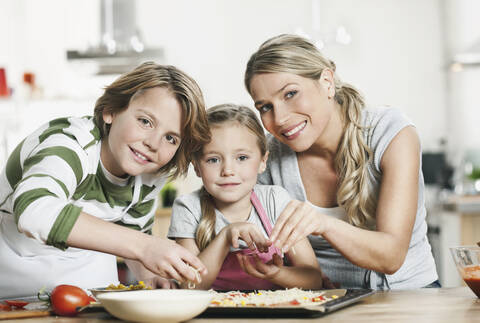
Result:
[[422, 305]]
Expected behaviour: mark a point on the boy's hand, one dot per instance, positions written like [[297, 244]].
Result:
[[161, 283], [253, 265], [172, 261], [249, 233]]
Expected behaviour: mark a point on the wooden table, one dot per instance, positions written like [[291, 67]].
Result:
[[422, 305]]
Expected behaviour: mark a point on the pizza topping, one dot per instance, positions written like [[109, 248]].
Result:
[[287, 297]]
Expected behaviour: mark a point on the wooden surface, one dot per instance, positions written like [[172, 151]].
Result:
[[423, 305]]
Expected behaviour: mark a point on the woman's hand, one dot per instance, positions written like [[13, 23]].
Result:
[[257, 268], [249, 233], [297, 221], [170, 260]]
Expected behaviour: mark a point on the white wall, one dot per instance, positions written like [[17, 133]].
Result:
[[463, 33], [395, 57]]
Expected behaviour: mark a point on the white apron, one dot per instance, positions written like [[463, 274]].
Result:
[[27, 265]]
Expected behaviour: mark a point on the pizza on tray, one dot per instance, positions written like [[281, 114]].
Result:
[[268, 298]]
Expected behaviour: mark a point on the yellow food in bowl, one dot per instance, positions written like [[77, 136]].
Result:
[[140, 285]]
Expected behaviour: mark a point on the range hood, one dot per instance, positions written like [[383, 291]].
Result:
[[469, 57], [121, 47]]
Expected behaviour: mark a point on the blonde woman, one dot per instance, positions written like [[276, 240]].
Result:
[[354, 171]]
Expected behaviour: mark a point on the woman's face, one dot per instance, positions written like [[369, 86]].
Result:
[[145, 136], [295, 109]]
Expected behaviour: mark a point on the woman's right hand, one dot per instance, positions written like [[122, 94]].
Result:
[[172, 261], [249, 233], [297, 221]]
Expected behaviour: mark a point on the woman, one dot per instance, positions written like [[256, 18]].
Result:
[[355, 172]]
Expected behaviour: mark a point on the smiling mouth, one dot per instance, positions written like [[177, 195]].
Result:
[[228, 184], [140, 156], [295, 130]]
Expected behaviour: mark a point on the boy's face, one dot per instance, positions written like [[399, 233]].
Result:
[[230, 163], [145, 136]]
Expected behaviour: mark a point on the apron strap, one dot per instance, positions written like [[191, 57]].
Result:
[[263, 218], [261, 213]]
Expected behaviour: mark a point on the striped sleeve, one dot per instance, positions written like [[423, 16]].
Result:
[[53, 167]]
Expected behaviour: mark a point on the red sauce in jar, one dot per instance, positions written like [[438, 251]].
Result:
[[472, 279], [474, 284]]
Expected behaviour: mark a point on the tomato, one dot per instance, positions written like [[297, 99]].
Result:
[[66, 298], [5, 307], [16, 303]]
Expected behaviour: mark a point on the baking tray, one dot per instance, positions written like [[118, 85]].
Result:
[[350, 296]]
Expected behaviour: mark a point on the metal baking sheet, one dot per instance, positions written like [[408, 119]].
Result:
[[346, 297]]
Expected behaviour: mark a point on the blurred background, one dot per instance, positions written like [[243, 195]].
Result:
[[421, 56]]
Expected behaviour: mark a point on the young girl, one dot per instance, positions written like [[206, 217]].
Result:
[[79, 191], [232, 211]]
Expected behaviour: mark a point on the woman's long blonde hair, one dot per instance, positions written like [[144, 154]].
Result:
[[216, 116], [296, 55]]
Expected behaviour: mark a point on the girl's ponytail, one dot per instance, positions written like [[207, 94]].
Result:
[[206, 228]]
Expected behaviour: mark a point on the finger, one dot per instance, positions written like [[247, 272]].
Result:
[[235, 237], [163, 283], [188, 273], [260, 241], [241, 261], [173, 273], [295, 235], [277, 260], [248, 240], [194, 261], [250, 268], [260, 266], [288, 228], [284, 216], [302, 229]]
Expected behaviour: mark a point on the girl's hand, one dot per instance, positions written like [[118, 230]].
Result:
[[172, 261], [297, 221], [249, 233], [257, 268]]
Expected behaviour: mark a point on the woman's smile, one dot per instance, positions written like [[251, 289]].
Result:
[[295, 131]]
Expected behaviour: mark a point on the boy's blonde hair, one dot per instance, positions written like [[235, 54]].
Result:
[[296, 55], [129, 86], [218, 115]]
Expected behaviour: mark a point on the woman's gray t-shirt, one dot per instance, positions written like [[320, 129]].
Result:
[[418, 270]]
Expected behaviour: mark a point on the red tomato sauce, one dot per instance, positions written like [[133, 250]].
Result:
[[472, 279]]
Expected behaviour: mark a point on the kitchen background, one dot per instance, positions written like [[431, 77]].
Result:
[[422, 56]]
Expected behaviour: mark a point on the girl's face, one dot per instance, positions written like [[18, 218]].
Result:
[[295, 109], [230, 163], [145, 136]]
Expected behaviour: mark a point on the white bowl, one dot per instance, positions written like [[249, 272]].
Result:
[[158, 305]]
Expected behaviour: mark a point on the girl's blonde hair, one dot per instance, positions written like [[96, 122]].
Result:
[[216, 116], [129, 86], [296, 55]]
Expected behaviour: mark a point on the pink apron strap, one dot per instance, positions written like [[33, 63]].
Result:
[[261, 213]]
